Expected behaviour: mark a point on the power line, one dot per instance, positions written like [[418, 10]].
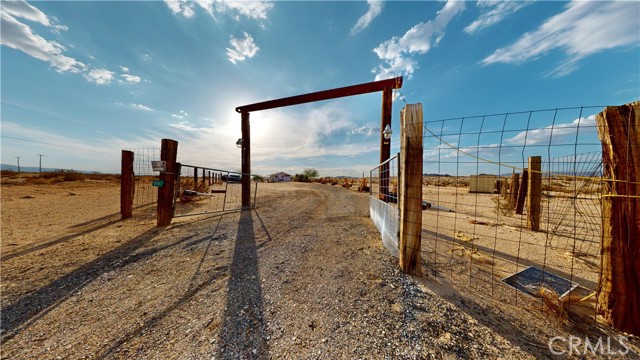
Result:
[[63, 146]]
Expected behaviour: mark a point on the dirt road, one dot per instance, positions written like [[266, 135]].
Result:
[[302, 276]]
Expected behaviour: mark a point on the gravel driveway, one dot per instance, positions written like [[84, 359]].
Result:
[[304, 276]]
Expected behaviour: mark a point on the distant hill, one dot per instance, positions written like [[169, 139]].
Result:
[[35, 169], [440, 175]]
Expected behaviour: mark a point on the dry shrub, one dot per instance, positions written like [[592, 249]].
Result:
[[99, 176], [503, 206], [8, 173], [552, 303], [189, 192], [41, 181]]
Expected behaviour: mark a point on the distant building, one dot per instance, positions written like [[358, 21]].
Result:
[[279, 177], [482, 184]]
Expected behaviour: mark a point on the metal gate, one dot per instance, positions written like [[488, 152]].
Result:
[[383, 200], [201, 190]]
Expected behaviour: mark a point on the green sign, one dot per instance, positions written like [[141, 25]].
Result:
[[157, 183]]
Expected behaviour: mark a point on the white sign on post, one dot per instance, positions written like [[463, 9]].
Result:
[[159, 165]]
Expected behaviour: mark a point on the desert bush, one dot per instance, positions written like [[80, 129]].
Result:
[[72, 175], [8, 173], [100, 176], [41, 181], [51, 174], [503, 206]]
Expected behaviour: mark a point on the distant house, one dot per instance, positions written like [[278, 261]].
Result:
[[279, 177], [482, 183]]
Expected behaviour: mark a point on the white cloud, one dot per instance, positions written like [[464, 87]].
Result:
[[241, 49], [494, 11], [582, 29], [99, 76], [140, 107], [19, 36], [24, 10], [183, 7], [131, 78], [375, 8], [251, 9], [187, 126], [557, 132], [124, 69], [308, 134], [364, 130], [396, 52], [180, 115]]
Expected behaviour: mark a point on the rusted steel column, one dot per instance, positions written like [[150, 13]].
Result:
[[385, 145], [246, 160]]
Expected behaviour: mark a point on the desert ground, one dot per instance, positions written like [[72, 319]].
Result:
[[303, 275]]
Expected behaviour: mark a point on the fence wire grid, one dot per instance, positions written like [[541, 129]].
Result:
[[202, 190], [479, 239], [145, 195], [384, 180]]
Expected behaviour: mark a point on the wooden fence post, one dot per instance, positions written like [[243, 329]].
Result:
[[195, 177], [246, 160], [127, 185], [619, 286], [410, 189], [515, 184], [522, 191], [535, 193], [168, 153]]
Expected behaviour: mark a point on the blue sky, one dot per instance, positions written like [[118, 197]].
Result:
[[83, 80]]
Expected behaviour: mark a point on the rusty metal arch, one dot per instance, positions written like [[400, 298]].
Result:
[[386, 86]]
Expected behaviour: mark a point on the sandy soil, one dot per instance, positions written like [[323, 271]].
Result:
[[303, 276]]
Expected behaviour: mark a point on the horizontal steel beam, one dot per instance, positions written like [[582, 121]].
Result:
[[365, 88]]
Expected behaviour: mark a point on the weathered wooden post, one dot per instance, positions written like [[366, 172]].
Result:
[[195, 177], [246, 160], [385, 144], [619, 287], [522, 191], [127, 187], [204, 177], [168, 153], [515, 185], [410, 189], [534, 197]]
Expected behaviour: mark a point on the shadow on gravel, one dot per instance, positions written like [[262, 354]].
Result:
[[109, 221], [487, 317], [243, 334], [36, 304], [194, 288]]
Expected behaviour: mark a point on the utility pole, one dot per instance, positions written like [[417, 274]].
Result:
[[40, 166], [18, 157]]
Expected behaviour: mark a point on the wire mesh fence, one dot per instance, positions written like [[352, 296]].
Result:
[[384, 180], [478, 232], [383, 209], [145, 195], [202, 190]]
